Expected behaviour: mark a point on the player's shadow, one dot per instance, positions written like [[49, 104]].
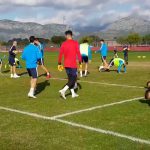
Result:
[[22, 74], [6, 71], [145, 102], [41, 87]]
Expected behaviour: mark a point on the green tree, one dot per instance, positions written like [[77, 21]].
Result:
[[146, 39], [122, 40], [91, 39], [58, 40], [134, 39]]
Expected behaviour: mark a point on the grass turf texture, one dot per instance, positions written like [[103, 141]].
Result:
[[23, 132]]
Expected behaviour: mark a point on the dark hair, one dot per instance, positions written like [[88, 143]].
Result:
[[102, 40], [69, 32], [32, 39], [37, 39], [85, 41]]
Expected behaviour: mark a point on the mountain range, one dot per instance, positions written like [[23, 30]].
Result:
[[13, 29]]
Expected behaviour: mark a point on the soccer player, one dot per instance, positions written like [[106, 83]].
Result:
[[104, 51], [41, 61], [31, 54], [1, 63], [12, 55], [125, 52], [70, 51], [86, 53], [115, 52], [119, 63]]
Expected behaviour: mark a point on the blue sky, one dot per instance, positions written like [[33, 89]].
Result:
[[76, 12]]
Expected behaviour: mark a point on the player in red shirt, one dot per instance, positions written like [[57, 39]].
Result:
[[70, 51]]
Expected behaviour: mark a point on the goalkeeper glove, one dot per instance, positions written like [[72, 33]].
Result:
[[80, 67], [60, 68]]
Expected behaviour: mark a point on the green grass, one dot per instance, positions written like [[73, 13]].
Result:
[[21, 132]]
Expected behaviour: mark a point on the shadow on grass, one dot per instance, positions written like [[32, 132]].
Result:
[[145, 102], [6, 71], [24, 73], [41, 87]]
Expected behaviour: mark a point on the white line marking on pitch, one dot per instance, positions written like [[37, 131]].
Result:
[[101, 83], [96, 107], [92, 82], [107, 132], [98, 130]]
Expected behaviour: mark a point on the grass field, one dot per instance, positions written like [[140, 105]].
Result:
[[110, 114]]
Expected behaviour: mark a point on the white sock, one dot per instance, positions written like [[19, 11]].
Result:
[[32, 91], [86, 72], [65, 88], [76, 86], [81, 73], [72, 92], [48, 73]]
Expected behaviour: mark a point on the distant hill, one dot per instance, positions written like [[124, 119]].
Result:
[[14, 29], [125, 26]]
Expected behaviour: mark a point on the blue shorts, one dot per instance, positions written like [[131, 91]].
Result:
[[71, 71], [85, 59], [41, 61], [12, 61], [33, 73]]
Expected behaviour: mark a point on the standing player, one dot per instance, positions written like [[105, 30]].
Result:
[[41, 61], [115, 52], [125, 52], [86, 53], [104, 51], [1, 64], [12, 55], [70, 51], [31, 54]]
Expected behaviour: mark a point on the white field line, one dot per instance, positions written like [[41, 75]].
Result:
[[102, 83], [91, 82], [94, 108], [107, 132], [98, 130]]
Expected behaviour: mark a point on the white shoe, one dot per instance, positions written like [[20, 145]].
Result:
[[16, 76], [75, 96], [62, 94], [31, 96]]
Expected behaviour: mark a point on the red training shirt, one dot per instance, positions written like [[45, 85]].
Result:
[[70, 51]]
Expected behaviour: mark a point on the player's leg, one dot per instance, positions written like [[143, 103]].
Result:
[[81, 70], [34, 75], [14, 71], [41, 63], [86, 65], [120, 66], [1, 64]]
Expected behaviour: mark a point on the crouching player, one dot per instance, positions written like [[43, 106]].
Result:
[[70, 51], [86, 53], [31, 54], [119, 63]]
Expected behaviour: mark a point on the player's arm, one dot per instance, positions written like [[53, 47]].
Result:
[[61, 53], [23, 56]]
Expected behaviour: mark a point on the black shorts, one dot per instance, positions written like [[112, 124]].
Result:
[[103, 58], [12, 61], [33, 73], [85, 59], [41, 61]]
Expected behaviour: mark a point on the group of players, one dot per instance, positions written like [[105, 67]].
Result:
[[33, 55]]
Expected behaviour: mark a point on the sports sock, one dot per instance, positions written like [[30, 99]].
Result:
[[32, 91], [86, 72], [81, 73], [65, 88], [72, 92]]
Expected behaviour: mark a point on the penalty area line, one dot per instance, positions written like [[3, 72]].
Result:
[[98, 130]]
